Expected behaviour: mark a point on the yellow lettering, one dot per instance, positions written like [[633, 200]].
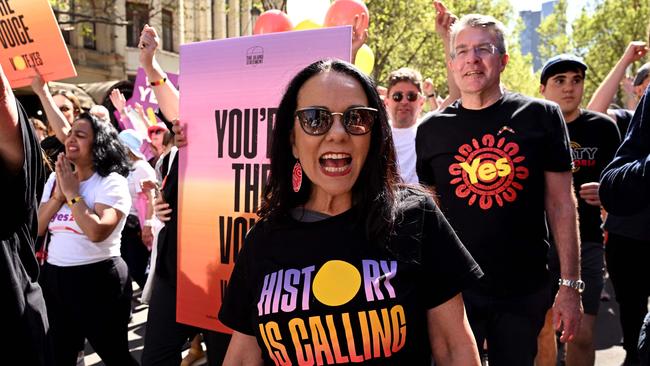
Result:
[[271, 335], [365, 336], [487, 172], [398, 320], [334, 338], [299, 332], [350, 338], [503, 167], [319, 339], [381, 332], [471, 169]]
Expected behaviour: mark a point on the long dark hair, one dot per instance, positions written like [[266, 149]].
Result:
[[109, 155], [374, 194]]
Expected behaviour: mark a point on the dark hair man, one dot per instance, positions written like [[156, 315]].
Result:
[[594, 140]]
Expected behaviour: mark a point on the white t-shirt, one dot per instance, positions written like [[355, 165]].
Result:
[[141, 171], [69, 246], [404, 140]]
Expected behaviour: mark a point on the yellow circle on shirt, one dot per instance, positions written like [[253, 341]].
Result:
[[336, 283], [19, 63]]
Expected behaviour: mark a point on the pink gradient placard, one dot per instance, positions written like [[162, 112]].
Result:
[[230, 90]]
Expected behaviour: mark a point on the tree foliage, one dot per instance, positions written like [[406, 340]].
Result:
[[402, 33], [553, 33], [600, 35]]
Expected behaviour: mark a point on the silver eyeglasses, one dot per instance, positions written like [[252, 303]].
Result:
[[482, 50]]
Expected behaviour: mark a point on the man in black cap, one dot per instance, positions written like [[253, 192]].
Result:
[[594, 140], [603, 96]]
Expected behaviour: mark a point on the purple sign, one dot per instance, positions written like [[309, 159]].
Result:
[[143, 95]]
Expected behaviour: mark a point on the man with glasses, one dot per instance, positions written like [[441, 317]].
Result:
[[404, 104], [500, 164]]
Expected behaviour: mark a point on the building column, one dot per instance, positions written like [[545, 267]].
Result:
[[234, 29], [246, 20], [219, 19]]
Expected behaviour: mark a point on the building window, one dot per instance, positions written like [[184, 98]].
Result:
[[137, 15], [65, 18], [167, 30], [89, 36]]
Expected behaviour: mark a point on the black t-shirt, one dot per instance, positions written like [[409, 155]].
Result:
[[167, 238], [594, 141], [22, 309], [488, 169], [623, 119], [321, 291]]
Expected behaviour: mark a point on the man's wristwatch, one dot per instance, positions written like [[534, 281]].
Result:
[[578, 285]]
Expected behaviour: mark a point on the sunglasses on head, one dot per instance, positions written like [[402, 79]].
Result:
[[317, 121], [410, 96]]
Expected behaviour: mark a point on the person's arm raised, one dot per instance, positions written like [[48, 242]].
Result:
[[11, 142], [607, 89], [55, 117], [444, 20], [166, 93]]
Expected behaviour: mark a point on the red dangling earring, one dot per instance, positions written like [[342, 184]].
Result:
[[296, 176]]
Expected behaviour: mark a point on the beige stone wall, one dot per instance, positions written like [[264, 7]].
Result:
[[193, 20]]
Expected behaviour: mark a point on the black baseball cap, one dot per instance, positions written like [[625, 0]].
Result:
[[563, 59], [641, 74]]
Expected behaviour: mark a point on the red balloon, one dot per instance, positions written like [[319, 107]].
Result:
[[342, 12], [272, 21]]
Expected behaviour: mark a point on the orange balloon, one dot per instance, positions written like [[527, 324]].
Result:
[[272, 21], [342, 12]]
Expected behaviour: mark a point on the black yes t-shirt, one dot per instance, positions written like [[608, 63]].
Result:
[[320, 293], [594, 141], [488, 169]]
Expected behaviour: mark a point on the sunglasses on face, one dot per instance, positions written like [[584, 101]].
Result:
[[317, 121], [410, 96]]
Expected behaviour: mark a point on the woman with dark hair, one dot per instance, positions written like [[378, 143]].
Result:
[[86, 283], [346, 264]]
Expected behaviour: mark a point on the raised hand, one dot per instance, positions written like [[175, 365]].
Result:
[[635, 51], [149, 42], [444, 20], [39, 86], [358, 37], [118, 100]]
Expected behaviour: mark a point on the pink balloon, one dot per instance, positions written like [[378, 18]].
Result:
[[342, 12], [272, 21]]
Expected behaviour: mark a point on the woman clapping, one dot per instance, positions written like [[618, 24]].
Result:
[[84, 208]]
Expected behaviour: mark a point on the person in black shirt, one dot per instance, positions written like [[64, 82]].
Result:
[[501, 164], [625, 194], [594, 140], [346, 264], [23, 312]]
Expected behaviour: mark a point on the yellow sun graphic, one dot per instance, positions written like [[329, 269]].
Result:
[[488, 171], [336, 283]]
